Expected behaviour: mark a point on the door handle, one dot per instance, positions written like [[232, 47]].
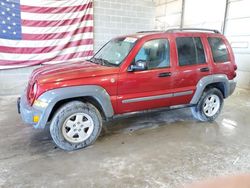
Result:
[[165, 74], [205, 69]]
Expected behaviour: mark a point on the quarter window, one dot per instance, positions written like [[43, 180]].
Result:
[[155, 53], [190, 51], [219, 49]]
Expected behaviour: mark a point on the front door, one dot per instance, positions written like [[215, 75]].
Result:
[[150, 88]]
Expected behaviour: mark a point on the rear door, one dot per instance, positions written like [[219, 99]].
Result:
[[192, 65]]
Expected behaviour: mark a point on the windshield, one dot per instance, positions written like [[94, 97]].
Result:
[[115, 51]]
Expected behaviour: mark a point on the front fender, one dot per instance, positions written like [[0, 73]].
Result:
[[51, 97]]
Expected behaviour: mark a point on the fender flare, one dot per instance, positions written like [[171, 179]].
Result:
[[52, 97], [210, 79]]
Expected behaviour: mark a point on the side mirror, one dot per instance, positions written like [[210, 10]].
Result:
[[139, 65]]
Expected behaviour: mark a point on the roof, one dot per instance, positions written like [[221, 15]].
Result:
[[173, 30], [142, 34]]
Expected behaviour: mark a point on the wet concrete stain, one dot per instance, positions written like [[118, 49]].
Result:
[[161, 149]]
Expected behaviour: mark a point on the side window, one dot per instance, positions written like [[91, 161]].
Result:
[[201, 59], [219, 49], [155, 53], [190, 51]]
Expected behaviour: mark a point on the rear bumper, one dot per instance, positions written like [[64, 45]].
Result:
[[27, 112], [232, 86]]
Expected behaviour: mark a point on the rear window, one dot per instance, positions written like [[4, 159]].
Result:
[[219, 49], [190, 51]]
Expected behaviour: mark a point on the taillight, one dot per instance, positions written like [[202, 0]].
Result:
[[235, 67], [32, 93]]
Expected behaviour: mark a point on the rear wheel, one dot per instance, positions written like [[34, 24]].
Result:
[[209, 106], [75, 125]]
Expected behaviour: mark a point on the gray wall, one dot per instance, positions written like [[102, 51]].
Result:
[[119, 17], [168, 14], [111, 18], [204, 14], [13, 81], [238, 32]]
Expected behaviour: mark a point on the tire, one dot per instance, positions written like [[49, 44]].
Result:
[[76, 125], [209, 106]]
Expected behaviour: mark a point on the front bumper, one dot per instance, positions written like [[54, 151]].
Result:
[[232, 86], [27, 112]]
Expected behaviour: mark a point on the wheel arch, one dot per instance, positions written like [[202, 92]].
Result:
[[218, 85], [85, 99], [219, 81]]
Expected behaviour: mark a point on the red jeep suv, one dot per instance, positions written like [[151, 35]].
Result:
[[148, 70]]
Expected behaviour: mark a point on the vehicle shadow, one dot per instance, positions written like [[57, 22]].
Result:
[[41, 140], [148, 120]]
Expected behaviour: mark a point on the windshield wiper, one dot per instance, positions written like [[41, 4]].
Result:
[[101, 61], [93, 60]]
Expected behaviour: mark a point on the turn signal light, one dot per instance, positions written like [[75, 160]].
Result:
[[36, 119]]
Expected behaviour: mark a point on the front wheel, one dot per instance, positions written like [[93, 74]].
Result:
[[209, 106], [75, 125]]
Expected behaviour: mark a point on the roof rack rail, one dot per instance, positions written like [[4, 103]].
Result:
[[192, 29], [152, 31]]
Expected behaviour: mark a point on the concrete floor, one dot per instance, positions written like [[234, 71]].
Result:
[[166, 149]]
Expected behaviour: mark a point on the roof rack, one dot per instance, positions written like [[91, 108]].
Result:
[[192, 29], [152, 31]]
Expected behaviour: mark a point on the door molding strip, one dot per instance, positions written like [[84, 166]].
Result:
[[155, 97]]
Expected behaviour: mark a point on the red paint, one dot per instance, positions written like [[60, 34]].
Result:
[[130, 85]]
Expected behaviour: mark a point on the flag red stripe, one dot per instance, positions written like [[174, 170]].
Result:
[[37, 23], [57, 58], [39, 50], [51, 36], [55, 10]]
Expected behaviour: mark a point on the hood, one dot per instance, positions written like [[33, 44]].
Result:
[[69, 71]]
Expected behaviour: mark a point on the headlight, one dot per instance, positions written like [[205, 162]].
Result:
[[35, 88], [32, 93], [39, 103]]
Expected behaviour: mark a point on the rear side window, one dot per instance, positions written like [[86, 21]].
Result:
[[190, 51], [219, 49]]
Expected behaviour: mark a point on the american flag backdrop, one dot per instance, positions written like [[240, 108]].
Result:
[[34, 32]]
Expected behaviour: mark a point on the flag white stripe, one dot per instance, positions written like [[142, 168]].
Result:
[[43, 56], [12, 66], [45, 43], [61, 3], [55, 17], [61, 29]]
